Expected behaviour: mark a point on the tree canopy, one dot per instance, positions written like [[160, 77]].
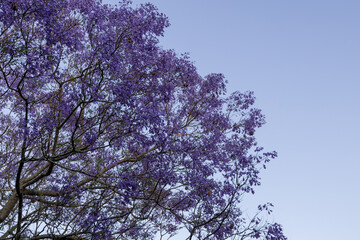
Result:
[[106, 135]]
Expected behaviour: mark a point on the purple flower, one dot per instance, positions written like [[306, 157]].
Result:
[[105, 135]]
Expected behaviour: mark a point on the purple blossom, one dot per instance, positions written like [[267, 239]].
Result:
[[105, 135]]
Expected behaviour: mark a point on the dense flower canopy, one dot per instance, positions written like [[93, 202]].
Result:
[[105, 135]]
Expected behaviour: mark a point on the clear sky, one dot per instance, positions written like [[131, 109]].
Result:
[[302, 60]]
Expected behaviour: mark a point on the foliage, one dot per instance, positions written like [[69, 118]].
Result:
[[105, 135]]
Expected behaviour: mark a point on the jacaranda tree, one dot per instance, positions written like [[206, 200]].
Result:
[[105, 135]]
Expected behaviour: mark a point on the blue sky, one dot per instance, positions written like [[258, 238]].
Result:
[[301, 58]]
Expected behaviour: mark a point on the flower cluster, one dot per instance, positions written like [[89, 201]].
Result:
[[105, 135]]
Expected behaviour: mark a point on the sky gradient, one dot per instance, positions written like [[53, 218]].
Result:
[[301, 58]]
